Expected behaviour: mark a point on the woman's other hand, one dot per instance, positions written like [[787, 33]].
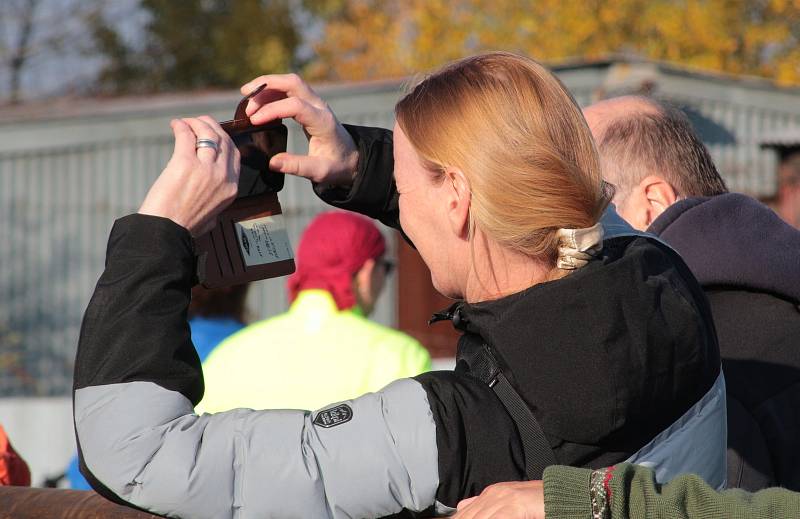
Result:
[[511, 500], [332, 155], [197, 183]]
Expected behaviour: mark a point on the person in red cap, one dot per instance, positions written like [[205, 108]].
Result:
[[324, 348]]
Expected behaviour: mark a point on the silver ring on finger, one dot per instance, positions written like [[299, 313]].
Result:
[[206, 143]]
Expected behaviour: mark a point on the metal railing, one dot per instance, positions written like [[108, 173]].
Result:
[[51, 503]]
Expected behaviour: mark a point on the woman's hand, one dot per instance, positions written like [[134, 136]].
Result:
[[197, 183], [512, 500], [332, 155]]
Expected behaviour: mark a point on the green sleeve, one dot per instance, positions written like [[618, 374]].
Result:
[[630, 491], [566, 493]]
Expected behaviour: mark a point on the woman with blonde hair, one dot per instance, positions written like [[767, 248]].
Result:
[[577, 349]]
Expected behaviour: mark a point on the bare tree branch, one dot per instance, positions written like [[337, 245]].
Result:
[[20, 50]]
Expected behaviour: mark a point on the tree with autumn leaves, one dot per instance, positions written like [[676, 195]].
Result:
[[365, 39], [191, 44]]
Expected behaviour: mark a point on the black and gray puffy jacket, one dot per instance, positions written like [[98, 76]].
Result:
[[617, 361]]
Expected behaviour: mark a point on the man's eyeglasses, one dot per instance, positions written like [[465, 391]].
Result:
[[388, 265]]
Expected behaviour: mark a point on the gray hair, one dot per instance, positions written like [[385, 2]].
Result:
[[661, 141]]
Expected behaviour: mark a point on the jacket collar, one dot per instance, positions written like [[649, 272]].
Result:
[[734, 241], [603, 338], [319, 302]]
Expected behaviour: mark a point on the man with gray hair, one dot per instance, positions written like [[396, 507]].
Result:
[[652, 155], [746, 258]]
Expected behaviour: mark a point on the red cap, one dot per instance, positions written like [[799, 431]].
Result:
[[332, 249]]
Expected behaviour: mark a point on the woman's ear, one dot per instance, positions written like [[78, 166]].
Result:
[[458, 197]]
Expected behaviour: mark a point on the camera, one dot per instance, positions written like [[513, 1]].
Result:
[[249, 241]]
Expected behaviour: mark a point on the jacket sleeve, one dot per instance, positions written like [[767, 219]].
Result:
[[373, 192], [137, 378], [628, 491]]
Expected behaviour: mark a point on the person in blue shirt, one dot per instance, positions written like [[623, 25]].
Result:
[[215, 314]]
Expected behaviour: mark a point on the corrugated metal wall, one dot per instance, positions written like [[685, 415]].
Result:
[[733, 138], [63, 181], [57, 205]]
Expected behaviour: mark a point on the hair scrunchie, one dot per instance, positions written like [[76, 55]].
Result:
[[577, 246]]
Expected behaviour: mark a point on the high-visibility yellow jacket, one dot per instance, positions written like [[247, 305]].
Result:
[[312, 355]]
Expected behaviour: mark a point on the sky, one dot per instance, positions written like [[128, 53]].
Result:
[[60, 59]]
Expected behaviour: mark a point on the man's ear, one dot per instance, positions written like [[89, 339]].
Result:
[[458, 198], [362, 286], [659, 194], [363, 277]]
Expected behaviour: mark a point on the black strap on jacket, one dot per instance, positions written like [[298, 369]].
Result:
[[484, 366]]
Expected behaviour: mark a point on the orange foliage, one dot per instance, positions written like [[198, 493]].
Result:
[[365, 39]]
